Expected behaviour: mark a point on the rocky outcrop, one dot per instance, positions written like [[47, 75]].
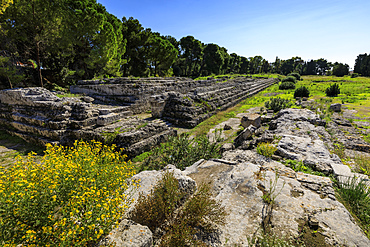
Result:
[[38, 115], [261, 194], [298, 198]]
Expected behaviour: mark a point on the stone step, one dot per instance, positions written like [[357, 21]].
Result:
[[113, 109], [148, 143], [109, 118]]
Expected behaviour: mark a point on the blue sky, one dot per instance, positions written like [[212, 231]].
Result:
[[332, 29]]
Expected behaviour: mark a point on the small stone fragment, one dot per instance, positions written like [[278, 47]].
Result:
[[336, 107]]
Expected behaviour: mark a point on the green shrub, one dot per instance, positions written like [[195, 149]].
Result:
[[290, 78], [286, 85], [182, 151], [354, 75], [153, 210], [277, 104], [355, 194], [296, 75], [333, 90], [71, 198], [301, 92], [266, 149], [180, 220]]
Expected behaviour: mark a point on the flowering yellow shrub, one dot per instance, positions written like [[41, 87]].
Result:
[[266, 149], [72, 198]]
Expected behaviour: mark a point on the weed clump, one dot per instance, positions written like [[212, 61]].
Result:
[[301, 92], [355, 193], [176, 221], [71, 198], [277, 104], [298, 166], [266, 149], [333, 90]]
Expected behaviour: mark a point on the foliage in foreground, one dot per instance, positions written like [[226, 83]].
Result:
[[355, 193], [182, 151], [198, 214], [72, 198], [277, 104]]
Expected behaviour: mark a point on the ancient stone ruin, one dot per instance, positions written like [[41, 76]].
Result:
[[38, 115], [107, 113], [181, 101]]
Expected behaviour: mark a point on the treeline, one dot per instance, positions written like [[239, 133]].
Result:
[[63, 41]]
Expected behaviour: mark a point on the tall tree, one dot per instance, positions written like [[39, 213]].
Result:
[[322, 66], [362, 64], [136, 47], [161, 53], [255, 64], [191, 52], [244, 65], [235, 63], [340, 69], [309, 68], [35, 27], [213, 60]]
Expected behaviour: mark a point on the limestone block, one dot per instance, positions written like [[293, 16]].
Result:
[[251, 119], [341, 170], [336, 107], [244, 135]]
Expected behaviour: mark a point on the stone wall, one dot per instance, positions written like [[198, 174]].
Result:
[[190, 109], [182, 101], [38, 115], [136, 92]]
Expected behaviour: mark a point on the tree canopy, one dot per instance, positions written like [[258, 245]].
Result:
[[61, 41]]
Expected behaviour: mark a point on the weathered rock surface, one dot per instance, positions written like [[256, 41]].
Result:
[[129, 234], [336, 107], [297, 196]]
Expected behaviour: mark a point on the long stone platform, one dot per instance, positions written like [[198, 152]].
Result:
[[38, 115], [181, 101]]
